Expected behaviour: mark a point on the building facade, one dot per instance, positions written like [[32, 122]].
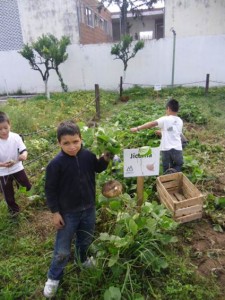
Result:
[[23, 21], [149, 25], [95, 25]]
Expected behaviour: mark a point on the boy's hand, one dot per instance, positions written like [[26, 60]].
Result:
[[134, 129], [158, 132], [8, 164], [22, 156], [58, 221], [108, 156]]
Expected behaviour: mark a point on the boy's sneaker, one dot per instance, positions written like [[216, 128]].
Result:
[[89, 263], [50, 288]]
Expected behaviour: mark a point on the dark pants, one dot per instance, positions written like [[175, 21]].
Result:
[[172, 159], [8, 191], [79, 225]]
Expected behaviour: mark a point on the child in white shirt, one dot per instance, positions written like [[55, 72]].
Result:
[[12, 153], [171, 131]]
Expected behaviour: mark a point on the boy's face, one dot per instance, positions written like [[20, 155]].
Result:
[[4, 130], [70, 144]]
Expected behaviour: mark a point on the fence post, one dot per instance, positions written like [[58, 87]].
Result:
[[121, 86], [207, 84], [97, 101]]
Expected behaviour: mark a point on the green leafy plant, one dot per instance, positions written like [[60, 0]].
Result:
[[123, 50]]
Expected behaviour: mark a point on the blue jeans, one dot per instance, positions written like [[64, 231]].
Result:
[[172, 159], [80, 225]]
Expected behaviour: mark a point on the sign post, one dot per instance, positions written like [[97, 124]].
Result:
[[139, 164], [140, 189], [157, 88]]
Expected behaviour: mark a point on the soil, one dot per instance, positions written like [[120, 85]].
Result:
[[207, 251]]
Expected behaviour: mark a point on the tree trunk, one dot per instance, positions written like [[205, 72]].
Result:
[[47, 94], [63, 85], [124, 18]]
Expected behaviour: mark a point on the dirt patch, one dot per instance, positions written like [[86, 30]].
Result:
[[208, 252], [43, 223], [38, 223]]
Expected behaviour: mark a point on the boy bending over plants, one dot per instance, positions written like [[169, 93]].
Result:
[[70, 193], [171, 131]]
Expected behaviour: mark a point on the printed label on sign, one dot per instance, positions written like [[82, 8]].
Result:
[[137, 163]]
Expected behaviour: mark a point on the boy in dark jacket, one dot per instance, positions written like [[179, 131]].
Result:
[[70, 192]]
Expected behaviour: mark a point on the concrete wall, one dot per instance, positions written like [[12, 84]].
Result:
[[58, 17], [91, 64], [195, 17]]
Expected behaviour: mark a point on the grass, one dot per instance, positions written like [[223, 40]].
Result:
[[26, 243]]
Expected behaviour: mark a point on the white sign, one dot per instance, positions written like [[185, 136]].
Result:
[[157, 87], [136, 164]]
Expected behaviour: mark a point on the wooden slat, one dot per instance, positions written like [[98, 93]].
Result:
[[167, 204], [168, 177], [171, 184], [189, 218], [179, 196], [172, 190], [187, 211], [172, 195], [163, 195], [189, 202], [189, 187]]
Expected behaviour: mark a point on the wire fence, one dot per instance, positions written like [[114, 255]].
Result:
[[202, 83]]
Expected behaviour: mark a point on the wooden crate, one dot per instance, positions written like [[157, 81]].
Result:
[[180, 196]]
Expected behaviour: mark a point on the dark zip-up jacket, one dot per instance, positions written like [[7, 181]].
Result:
[[70, 181]]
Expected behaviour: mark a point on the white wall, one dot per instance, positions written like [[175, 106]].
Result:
[[195, 17], [91, 64]]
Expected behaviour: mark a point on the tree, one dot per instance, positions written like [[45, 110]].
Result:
[[133, 6], [123, 50], [46, 54]]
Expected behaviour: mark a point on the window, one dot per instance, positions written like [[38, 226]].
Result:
[[89, 17], [96, 20], [101, 22], [105, 24], [146, 35], [159, 29]]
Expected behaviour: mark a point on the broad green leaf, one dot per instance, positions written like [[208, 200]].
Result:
[[113, 293], [113, 260], [115, 205], [144, 151], [133, 227]]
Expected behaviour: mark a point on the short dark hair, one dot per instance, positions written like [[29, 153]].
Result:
[[67, 128], [173, 105], [4, 117]]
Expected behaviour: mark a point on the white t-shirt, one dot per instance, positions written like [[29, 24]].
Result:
[[171, 129], [9, 150]]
